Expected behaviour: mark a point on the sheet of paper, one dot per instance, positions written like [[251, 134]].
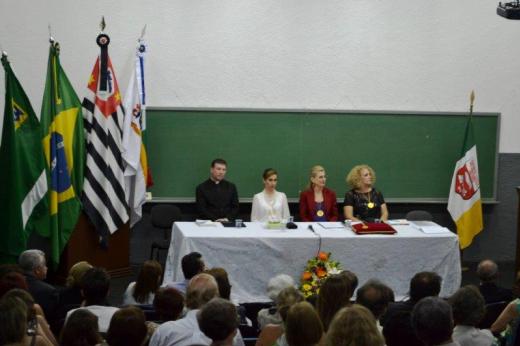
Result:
[[331, 225]]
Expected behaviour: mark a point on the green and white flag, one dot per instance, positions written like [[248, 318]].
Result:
[[23, 181], [64, 148]]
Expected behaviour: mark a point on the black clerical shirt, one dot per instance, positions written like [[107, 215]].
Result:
[[217, 201]]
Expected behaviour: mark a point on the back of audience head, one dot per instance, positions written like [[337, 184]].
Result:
[[354, 325], [26, 297], [76, 273], [13, 320], [335, 293], [33, 262], [201, 289], [468, 306], [432, 321], [127, 327], [218, 320], [81, 329], [287, 298], [95, 286], [425, 284], [277, 284], [12, 280], [192, 264], [168, 304], [148, 280], [375, 296], [303, 326], [352, 279], [221, 276], [487, 271]]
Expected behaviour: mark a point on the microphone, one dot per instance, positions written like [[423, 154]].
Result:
[[312, 229]]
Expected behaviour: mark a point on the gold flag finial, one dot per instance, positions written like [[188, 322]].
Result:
[[472, 97], [102, 25]]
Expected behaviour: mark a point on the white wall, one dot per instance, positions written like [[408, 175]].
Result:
[[341, 54]]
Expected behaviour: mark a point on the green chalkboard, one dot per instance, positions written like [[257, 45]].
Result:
[[413, 154]]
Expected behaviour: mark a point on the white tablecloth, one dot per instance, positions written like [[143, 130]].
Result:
[[254, 254]]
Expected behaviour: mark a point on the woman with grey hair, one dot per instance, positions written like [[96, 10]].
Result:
[[274, 287], [468, 309]]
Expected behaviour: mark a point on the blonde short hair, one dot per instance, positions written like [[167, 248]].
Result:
[[354, 325], [315, 170], [354, 176]]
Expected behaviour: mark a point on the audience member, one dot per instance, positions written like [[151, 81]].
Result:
[[12, 280], [303, 326], [432, 322], [186, 331], [468, 310], [127, 327], [143, 290], [34, 266], [35, 319], [81, 329], [508, 321], [487, 271], [71, 294], [354, 325], [274, 287], [191, 264], [272, 333], [335, 293], [375, 296], [95, 289], [221, 276], [218, 320], [168, 304]]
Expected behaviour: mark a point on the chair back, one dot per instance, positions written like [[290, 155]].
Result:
[[493, 310], [419, 215], [164, 215]]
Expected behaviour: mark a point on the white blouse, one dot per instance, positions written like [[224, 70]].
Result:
[[270, 207]]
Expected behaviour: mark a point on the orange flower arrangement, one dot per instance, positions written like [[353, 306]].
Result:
[[317, 270]]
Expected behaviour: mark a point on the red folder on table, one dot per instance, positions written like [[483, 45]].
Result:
[[373, 228]]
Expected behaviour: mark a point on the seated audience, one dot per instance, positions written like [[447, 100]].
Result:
[[274, 287], [35, 318], [487, 271], [14, 329], [191, 264], [81, 329], [508, 321], [168, 304], [127, 327], [468, 309], [354, 325], [95, 289], [186, 331], [221, 276], [71, 294], [396, 321], [143, 290], [12, 280], [335, 293], [303, 326], [218, 320], [273, 333], [432, 322], [375, 296], [34, 266]]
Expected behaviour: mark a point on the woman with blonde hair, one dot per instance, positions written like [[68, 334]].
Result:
[[363, 202], [354, 325], [318, 203]]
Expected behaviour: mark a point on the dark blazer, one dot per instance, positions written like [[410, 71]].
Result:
[[307, 205], [44, 294], [494, 294]]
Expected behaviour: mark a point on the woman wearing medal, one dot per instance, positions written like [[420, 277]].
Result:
[[364, 202], [318, 203]]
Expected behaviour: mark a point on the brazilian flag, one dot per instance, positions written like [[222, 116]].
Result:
[[23, 181], [64, 148]]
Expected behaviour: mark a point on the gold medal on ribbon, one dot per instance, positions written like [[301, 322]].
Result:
[[320, 213], [370, 205]]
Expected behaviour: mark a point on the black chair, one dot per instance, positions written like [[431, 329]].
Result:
[[493, 310], [163, 216], [419, 215]]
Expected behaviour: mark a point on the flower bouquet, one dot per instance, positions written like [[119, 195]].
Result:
[[316, 271]]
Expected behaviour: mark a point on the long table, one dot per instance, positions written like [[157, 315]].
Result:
[[254, 254]]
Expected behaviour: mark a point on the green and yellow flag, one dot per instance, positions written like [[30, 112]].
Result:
[[23, 182], [64, 148]]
